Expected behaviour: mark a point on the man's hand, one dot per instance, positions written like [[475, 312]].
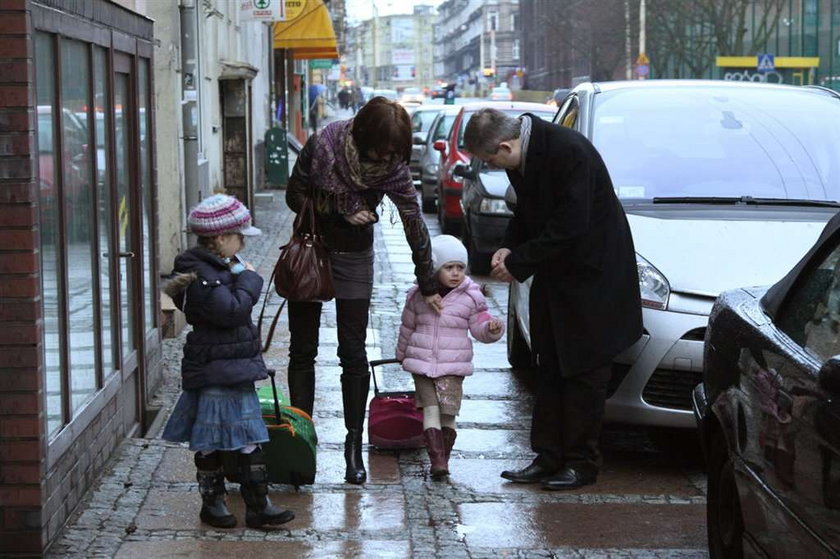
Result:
[[497, 262], [435, 301], [495, 326], [361, 218]]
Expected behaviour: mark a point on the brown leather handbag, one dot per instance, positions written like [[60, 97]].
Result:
[[303, 271]]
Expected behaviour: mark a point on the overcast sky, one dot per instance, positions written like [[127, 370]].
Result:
[[360, 10]]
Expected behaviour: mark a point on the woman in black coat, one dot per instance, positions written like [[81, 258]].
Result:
[[569, 232]]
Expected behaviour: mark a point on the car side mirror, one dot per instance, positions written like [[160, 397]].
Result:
[[440, 145], [510, 198], [461, 170], [418, 139], [829, 375]]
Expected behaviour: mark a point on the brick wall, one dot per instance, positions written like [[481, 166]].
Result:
[[22, 451]]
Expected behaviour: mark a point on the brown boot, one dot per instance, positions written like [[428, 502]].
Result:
[[437, 453], [449, 436]]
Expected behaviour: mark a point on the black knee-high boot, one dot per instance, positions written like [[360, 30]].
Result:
[[211, 486], [259, 512], [302, 388], [354, 391]]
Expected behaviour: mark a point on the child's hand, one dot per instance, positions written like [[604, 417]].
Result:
[[495, 326], [248, 266]]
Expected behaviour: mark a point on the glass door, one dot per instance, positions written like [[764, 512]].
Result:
[[124, 206]]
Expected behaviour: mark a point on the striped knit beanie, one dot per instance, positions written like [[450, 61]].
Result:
[[219, 214]]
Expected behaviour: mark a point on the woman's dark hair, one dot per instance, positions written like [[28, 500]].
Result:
[[383, 126]]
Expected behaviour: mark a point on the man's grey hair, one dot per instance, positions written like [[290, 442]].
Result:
[[488, 128]]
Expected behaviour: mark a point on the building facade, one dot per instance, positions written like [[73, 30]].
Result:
[[392, 52], [80, 344], [226, 90], [478, 44]]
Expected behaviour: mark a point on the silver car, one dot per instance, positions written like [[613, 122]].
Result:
[[429, 161], [725, 185], [422, 117]]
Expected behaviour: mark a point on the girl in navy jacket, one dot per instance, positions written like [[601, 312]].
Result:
[[218, 410]]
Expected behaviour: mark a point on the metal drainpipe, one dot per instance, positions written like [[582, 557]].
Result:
[[189, 105]]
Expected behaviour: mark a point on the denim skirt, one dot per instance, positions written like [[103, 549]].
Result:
[[217, 418]]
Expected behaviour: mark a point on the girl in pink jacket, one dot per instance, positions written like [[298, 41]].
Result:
[[434, 347]]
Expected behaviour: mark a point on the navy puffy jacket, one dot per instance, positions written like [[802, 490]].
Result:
[[224, 346]]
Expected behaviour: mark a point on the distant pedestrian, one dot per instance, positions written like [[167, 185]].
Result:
[[218, 411], [316, 112], [569, 232], [347, 169], [344, 96], [433, 345]]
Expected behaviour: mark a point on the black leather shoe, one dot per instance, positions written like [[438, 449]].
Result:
[[534, 473], [568, 478]]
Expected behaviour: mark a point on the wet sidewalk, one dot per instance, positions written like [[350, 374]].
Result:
[[147, 503]]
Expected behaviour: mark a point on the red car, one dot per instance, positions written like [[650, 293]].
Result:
[[452, 152]]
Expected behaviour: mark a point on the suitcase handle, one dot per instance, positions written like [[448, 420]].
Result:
[[376, 363], [271, 373]]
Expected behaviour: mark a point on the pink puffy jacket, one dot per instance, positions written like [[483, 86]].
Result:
[[435, 345]]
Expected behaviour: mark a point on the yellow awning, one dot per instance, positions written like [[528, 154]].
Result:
[[309, 35]]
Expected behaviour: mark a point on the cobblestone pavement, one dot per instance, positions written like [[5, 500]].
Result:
[[648, 502]]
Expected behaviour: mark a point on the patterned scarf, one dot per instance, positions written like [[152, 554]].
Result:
[[338, 172]]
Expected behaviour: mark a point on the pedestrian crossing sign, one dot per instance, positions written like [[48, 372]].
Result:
[[766, 62]]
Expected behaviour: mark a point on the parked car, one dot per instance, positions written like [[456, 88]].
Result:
[[557, 97], [768, 411], [501, 94], [412, 95], [438, 92], [486, 215], [453, 153], [724, 184], [422, 117], [390, 94], [430, 160]]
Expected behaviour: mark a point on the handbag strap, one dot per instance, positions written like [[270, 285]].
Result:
[[276, 316], [375, 363]]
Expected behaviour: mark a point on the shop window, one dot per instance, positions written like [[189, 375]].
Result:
[[79, 220], [145, 114], [48, 167], [102, 118]]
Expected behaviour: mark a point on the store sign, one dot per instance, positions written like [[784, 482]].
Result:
[[262, 10], [320, 64]]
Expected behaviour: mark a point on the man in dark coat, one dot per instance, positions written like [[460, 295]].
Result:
[[570, 234]]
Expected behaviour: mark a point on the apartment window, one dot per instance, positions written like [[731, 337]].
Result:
[[493, 18], [513, 22], [515, 49]]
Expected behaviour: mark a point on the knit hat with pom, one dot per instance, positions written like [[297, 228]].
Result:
[[219, 214], [446, 248]]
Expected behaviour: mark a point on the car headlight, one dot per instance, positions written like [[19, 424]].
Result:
[[493, 206], [653, 285], [431, 169]]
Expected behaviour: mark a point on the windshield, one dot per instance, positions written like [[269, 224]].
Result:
[[720, 142], [466, 119]]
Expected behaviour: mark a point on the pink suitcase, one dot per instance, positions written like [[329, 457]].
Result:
[[393, 418]]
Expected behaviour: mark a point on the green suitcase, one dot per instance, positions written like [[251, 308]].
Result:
[[292, 441], [291, 449]]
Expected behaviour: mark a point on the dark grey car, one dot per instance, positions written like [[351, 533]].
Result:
[[439, 130]]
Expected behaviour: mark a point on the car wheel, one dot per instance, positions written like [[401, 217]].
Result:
[[518, 352], [724, 523]]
